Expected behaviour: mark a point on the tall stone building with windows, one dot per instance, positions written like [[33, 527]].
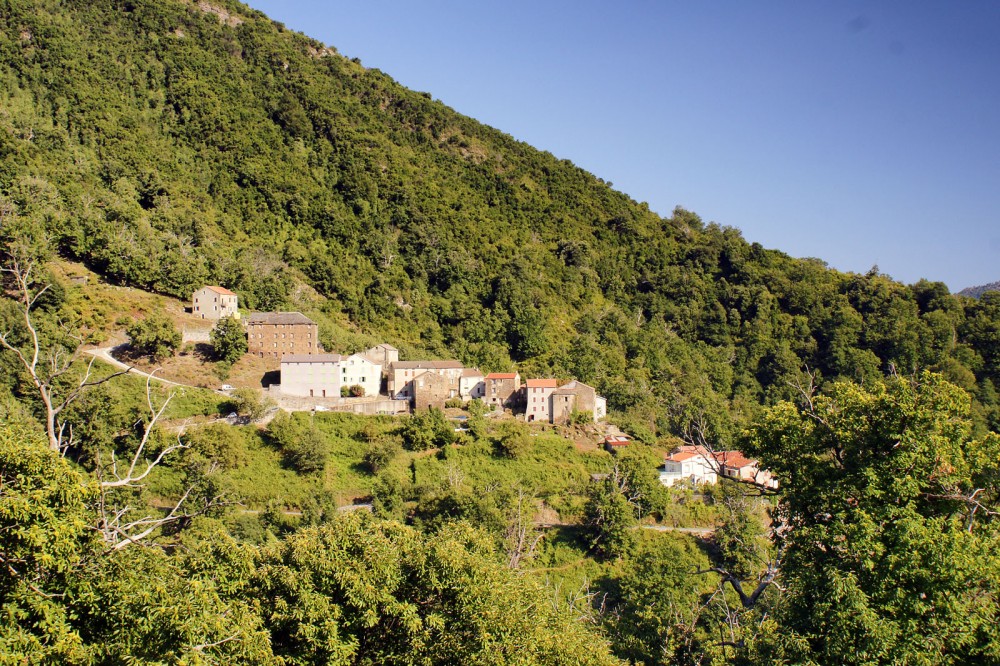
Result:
[[273, 334]]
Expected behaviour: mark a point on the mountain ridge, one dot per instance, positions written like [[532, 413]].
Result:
[[979, 290]]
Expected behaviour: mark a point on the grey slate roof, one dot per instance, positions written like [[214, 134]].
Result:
[[426, 365], [279, 318], [573, 388], [311, 358]]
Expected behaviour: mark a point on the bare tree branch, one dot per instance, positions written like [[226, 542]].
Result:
[[44, 372]]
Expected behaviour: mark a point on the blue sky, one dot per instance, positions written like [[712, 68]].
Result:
[[858, 132]]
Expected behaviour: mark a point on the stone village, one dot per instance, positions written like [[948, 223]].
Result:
[[376, 381]]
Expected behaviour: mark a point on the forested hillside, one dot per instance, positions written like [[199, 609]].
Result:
[[170, 144], [167, 144]]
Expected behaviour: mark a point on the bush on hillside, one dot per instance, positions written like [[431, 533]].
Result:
[[156, 336], [229, 340]]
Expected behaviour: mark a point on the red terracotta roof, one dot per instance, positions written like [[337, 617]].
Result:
[[542, 383], [682, 456], [501, 375], [220, 290], [734, 459]]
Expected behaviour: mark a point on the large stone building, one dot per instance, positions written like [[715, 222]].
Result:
[[211, 302], [501, 388], [311, 375], [277, 333], [537, 393], [402, 373], [576, 397]]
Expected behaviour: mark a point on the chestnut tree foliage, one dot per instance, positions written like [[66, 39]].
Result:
[[892, 509]]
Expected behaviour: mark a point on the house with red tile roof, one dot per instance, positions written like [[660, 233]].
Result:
[[698, 464], [616, 443], [734, 465], [213, 302], [501, 388], [692, 467], [537, 402]]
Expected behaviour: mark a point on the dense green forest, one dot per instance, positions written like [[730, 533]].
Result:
[[171, 144], [167, 148]]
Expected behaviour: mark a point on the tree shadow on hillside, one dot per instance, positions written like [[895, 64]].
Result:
[[204, 352]]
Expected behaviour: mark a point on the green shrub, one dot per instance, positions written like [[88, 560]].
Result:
[[155, 336], [427, 431], [229, 340], [380, 453], [306, 449], [512, 438], [250, 403]]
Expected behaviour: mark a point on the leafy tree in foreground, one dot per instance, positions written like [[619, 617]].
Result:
[[366, 592], [661, 601], [155, 336], [45, 536], [609, 515], [229, 340], [891, 554]]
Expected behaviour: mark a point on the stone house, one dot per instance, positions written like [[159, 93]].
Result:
[[311, 375], [471, 385], [537, 403], [734, 465], [576, 397], [212, 302], [402, 373], [382, 354], [432, 389], [277, 333], [500, 388]]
